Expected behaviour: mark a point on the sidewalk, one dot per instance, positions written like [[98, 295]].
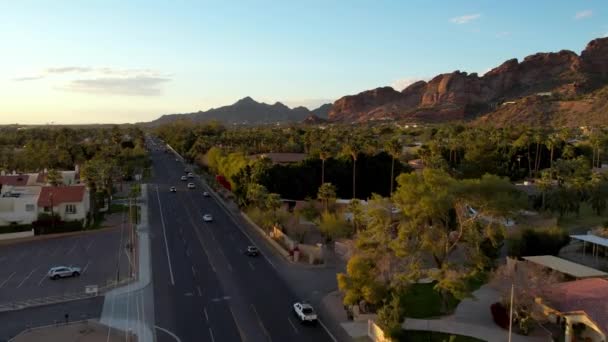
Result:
[[131, 308]]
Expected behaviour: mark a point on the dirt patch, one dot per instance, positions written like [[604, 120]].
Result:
[[90, 331]]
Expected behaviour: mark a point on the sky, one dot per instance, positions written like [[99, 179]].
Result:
[[129, 61]]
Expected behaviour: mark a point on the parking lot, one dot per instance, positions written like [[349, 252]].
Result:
[[24, 266]]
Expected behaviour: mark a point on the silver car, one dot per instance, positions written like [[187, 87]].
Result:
[[63, 272]]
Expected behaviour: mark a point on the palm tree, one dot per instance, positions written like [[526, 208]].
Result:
[[324, 154], [352, 149], [538, 139], [524, 141], [393, 148], [326, 193]]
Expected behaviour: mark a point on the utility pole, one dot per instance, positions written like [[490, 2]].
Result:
[[511, 314], [52, 212]]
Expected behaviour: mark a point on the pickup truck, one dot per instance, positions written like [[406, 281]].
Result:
[[305, 312]]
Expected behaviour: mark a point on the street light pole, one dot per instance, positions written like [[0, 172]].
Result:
[[511, 314]]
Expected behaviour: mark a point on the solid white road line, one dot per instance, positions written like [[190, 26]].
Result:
[[292, 325], [72, 249], [206, 316], [211, 334], [193, 271], [241, 335], [6, 280], [26, 278], [251, 265], [327, 331], [42, 279], [168, 333], [89, 245], [200, 292], [162, 220]]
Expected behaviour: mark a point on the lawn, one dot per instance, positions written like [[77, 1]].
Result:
[[586, 220], [431, 336], [422, 301]]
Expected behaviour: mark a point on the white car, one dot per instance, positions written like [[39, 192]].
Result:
[[184, 178], [173, 189], [207, 218], [190, 175], [305, 312], [191, 186], [205, 194], [63, 272]]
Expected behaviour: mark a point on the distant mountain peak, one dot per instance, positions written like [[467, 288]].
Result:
[[246, 101]]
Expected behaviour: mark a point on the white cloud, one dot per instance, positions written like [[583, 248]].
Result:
[[67, 69], [138, 85], [465, 19], [583, 14], [28, 78], [403, 83], [503, 34]]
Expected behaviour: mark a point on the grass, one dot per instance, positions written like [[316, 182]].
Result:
[[586, 220], [432, 336], [422, 301]]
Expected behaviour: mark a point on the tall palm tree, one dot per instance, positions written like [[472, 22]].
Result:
[[324, 154], [393, 148], [326, 193], [524, 141], [352, 149]]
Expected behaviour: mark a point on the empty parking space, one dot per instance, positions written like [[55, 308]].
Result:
[[102, 257]]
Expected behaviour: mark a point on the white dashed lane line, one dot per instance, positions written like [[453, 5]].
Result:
[[27, 277]]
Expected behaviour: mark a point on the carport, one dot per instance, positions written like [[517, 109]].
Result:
[[566, 267], [598, 243]]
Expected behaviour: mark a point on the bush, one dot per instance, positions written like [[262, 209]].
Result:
[[333, 226], [47, 224], [539, 242], [500, 315], [15, 228]]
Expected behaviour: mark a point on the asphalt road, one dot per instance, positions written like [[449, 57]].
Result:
[[24, 266], [205, 288]]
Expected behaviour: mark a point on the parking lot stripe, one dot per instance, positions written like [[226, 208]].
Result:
[[73, 247], [28, 277], [86, 267], [7, 279], [89, 245], [42, 279]]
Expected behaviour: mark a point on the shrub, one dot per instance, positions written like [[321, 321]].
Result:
[[500, 315]]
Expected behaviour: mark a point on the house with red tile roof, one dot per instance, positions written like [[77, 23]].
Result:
[[69, 202], [18, 205], [582, 306], [9, 181]]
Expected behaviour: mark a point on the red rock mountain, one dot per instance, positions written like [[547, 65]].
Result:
[[459, 95]]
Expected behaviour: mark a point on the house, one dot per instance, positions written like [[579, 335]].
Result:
[[7, 182], [581, 306], [71, 203], [19, 205]]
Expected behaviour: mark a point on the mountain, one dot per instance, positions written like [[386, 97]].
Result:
[[244, 111], [323, 111], [543, 85]]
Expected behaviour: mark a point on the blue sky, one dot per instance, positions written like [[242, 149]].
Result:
[[128, 61]]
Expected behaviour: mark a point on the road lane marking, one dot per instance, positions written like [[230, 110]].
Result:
[[200, 293], [292, 325], [86, 267], [188, 252], [229, 266], [241, 335], [28, 277], [211, 334], [89, 245], [261, 323], [168, 333], [193, 271], [42, 279], [206, 316], [162, 220], [327, 331], [7, 279]]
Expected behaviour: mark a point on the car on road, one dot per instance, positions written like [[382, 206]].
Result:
[[172, 189], [205, 194], [252, 251], [184, 178], [305, 312], [207, 218], [190, 175], [63, 272], [176, 159], [191, 186]]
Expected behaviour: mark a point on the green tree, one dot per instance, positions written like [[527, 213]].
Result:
[[332, 226], [53, 177], [598, 193], [327, 194], [360, 282], [324, 154], [257, 194], [273, 203], [356, 209], [391, 315]]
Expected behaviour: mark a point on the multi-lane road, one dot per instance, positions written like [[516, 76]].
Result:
[[205, 288]]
